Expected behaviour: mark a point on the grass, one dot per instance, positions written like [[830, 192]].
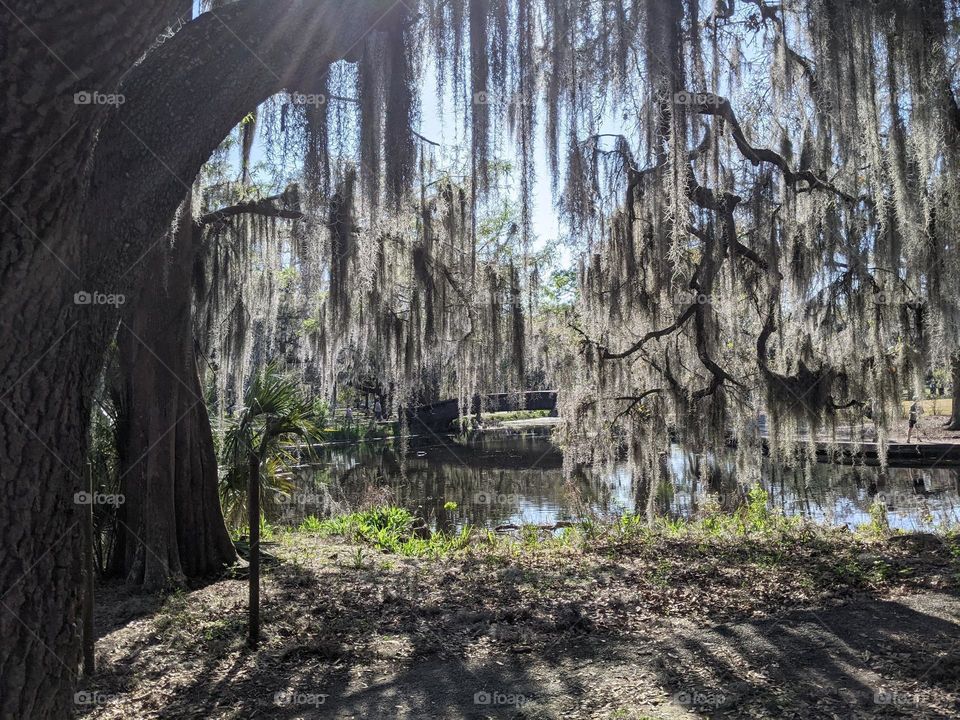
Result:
[[756, 555], [395, 530], [329, 599], [879, 524], [390, 529], [934, 406], [492, 419], [508, 415], [268, 533]]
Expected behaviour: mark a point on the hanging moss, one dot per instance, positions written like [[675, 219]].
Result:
[[773, 237]]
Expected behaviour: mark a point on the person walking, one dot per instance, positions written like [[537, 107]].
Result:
[[378, 410], [916, 410]]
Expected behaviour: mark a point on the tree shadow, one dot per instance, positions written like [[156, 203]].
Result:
[[864, 658], [376, 636], [335, 659]]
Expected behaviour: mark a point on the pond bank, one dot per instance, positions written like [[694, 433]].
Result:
[[767, 619]]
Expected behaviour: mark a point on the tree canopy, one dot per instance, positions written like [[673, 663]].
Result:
[[762, 197]]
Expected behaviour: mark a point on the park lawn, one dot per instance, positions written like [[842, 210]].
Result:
[[508, 415], [934, 406]]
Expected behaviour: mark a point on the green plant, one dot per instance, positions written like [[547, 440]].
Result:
[[756, 513], [392, 529], [879, 522], [311, 524], [661, 574], [234, 485], [274, 412], [674, 526], [530, 534], [358, 558]]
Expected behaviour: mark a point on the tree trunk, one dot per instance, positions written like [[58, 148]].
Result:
[[85, 189], [171, 525], [43, 417], [253, 516], [955, 393], [51, 350]]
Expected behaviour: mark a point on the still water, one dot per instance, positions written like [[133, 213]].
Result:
[[514, 478]]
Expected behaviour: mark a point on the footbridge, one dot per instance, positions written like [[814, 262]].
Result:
[[438, 416]]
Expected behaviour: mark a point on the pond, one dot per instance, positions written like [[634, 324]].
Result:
[[502, 478]]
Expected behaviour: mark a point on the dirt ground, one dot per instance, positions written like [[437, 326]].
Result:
[[814, 624], [932, 429]]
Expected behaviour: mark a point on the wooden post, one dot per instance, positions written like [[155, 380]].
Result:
[[253, 503]]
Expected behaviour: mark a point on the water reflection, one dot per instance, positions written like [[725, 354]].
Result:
[[497, 479]]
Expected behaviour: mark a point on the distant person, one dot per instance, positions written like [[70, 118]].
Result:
[[378, 411], [916, 410], [349, 416]]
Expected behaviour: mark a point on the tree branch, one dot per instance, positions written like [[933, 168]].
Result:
[[266, 207], [710, 104], [605, 354], [217, 67]]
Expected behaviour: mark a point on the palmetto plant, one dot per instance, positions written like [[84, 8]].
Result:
[[274, 414], [235, 481]]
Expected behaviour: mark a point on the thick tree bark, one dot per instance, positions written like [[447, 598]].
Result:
[[65, 170], [171, 525]]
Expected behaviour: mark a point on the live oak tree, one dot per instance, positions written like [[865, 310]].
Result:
[[86, 188], [776, 191], [170, 525], [784, 240]]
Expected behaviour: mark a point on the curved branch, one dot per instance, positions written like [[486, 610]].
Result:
[[605, 354], [265, 207], [710, 104], [217, 67]]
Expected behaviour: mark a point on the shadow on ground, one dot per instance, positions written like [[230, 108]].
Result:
[[477, 640]]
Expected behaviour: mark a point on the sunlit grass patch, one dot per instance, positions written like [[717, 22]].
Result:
[[391, 529]]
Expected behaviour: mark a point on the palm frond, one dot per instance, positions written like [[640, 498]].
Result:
[[275, 414]]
